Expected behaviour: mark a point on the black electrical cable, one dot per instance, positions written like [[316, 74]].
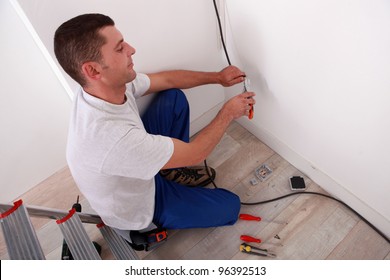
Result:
[[294, 193], [221, 33]]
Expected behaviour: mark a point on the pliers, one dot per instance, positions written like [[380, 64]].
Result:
[[248, 249], [246, 88]]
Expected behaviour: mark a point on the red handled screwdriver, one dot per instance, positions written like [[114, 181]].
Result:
[[248, 217], [248, 238]]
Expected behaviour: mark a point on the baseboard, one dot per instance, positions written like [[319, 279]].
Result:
[[319, 177], [204, 119]]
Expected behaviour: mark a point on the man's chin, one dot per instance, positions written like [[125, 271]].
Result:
[[132, 76]]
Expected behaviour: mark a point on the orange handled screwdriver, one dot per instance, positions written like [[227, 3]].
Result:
[[251, 112], [248, 238], [246, 88], [248, 217]]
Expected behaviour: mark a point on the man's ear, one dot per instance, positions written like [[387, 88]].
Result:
[[91, 70]]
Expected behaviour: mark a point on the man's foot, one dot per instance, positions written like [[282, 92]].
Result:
[[194, 176]]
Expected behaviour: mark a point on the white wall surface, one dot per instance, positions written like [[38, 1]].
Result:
[[169, 34], [321, 70], [34, 110]]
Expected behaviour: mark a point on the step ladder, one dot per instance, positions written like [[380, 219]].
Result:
[[118, 245], [77, 238], [22, 242], [19, 234]]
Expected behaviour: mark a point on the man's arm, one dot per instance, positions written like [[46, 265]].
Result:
[[184, 79], [187, 154]]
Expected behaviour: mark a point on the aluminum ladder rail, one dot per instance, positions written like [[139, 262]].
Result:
[[117, 244], [77, 238], [55, 214], [19, 234]]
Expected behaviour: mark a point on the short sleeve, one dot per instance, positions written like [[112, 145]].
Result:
[[139, 85]]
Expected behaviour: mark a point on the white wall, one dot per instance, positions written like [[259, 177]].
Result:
[[34, 110], [167, 34], [321, 70]]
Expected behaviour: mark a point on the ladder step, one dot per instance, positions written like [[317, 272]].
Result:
[[77, 238], [118, 246], [19, 234]]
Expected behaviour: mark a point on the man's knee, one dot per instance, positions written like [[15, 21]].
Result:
[[228, 207], [234, 206], [174, 98]]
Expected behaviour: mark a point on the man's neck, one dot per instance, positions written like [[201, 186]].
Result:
[[111, 95]]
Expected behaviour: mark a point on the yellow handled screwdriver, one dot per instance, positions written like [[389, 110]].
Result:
[[248, 249]]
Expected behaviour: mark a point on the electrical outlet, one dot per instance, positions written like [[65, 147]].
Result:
[[263, 172]]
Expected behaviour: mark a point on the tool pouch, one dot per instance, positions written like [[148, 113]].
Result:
[[149, 240]]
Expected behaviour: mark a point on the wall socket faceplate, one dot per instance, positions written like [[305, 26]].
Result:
[[263, 172]]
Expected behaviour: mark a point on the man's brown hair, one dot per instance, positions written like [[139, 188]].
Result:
[[77, 41]]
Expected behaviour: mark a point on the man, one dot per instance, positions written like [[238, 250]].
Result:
[[115, 156]]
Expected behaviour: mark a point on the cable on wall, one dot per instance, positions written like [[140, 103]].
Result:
[[221, 33]]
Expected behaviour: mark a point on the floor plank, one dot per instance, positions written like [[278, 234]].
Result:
[[180, 243], [375, 247], [218, 244]]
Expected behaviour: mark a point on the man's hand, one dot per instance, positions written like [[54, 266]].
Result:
[[230, 76], [238, 105], [187, 154]]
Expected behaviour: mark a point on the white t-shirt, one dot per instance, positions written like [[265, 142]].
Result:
[[113, 160]]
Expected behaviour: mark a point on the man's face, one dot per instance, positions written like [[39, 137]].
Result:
[[117, 64]]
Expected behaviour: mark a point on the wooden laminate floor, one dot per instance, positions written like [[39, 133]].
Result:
[[297, 227]]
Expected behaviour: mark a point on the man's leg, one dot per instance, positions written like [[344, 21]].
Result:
[[169, 115], [178, 206]]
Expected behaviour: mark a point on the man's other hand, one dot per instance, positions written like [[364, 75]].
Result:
[[230, 76]]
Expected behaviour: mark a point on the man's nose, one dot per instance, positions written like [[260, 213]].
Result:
[[130, 50]]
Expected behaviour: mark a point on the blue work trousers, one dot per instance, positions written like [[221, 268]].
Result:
[[178, 206]]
